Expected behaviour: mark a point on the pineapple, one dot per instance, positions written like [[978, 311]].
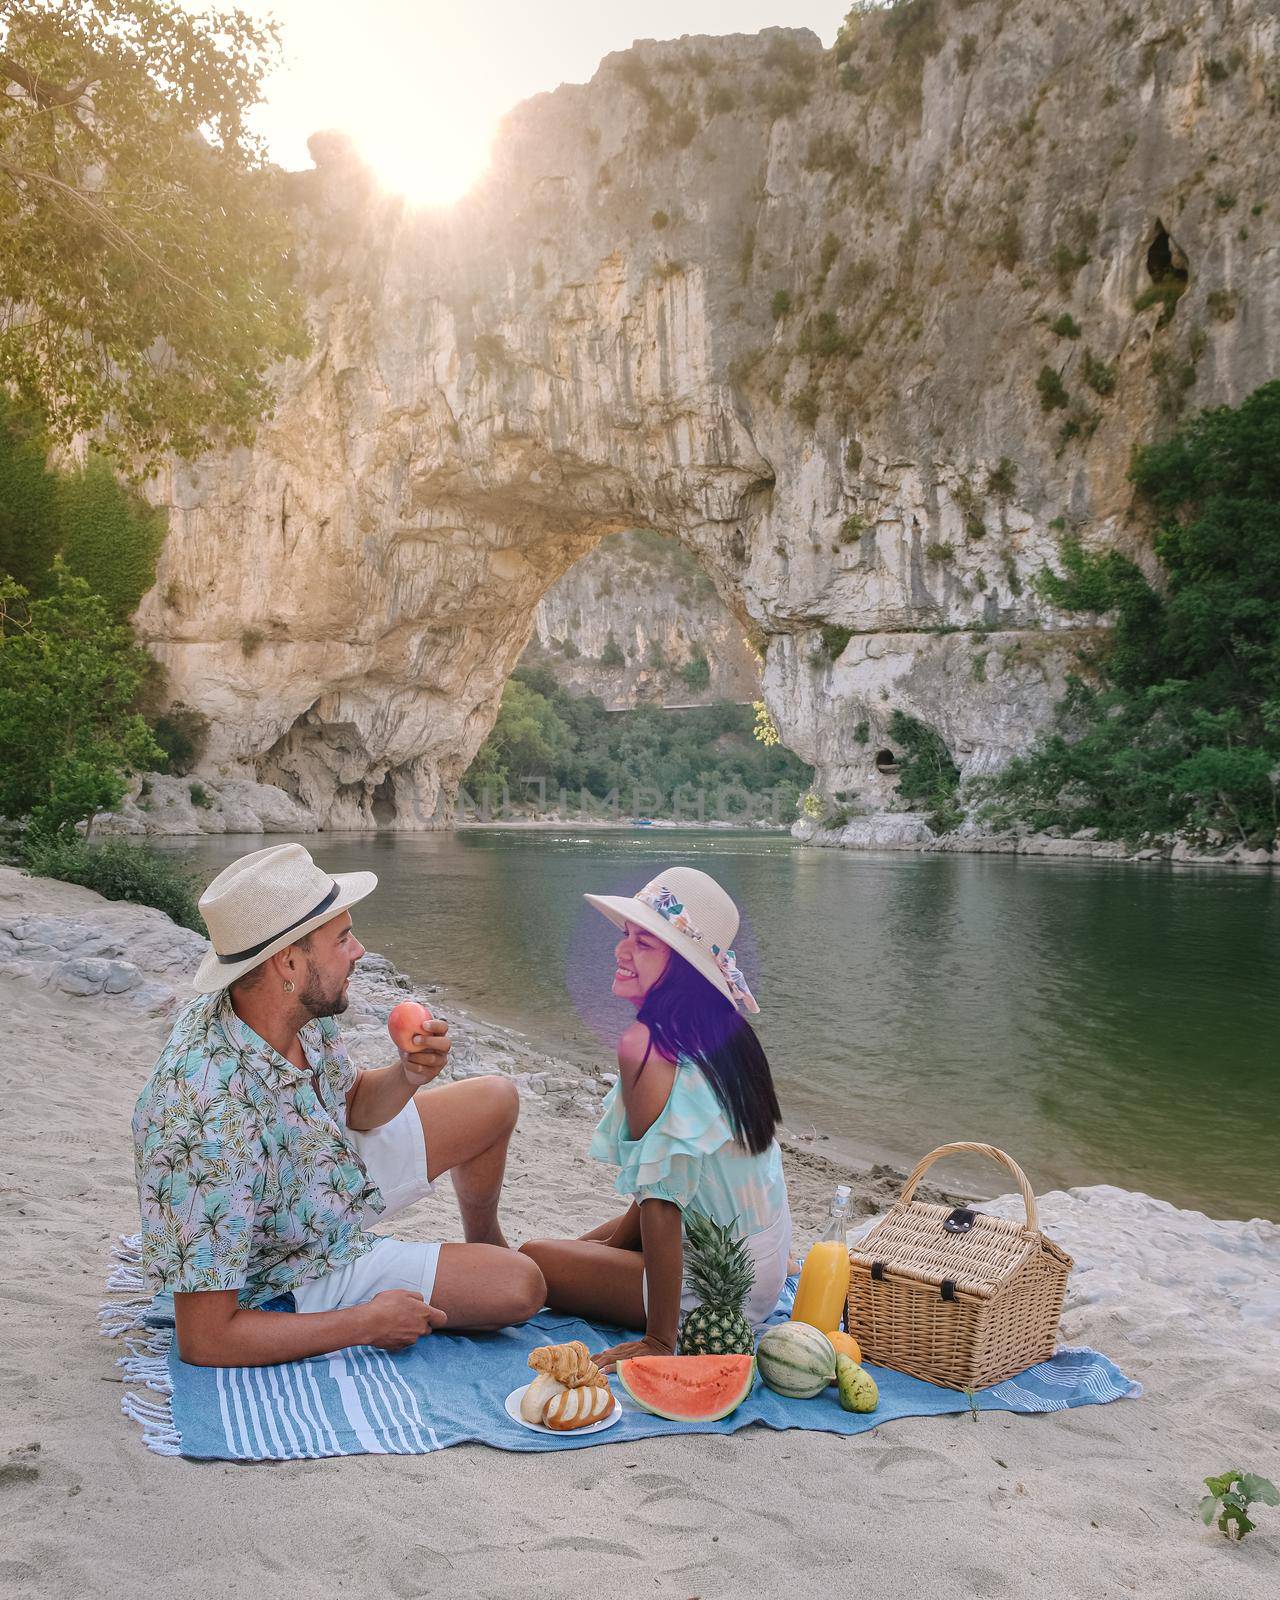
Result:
[[720, 1272]]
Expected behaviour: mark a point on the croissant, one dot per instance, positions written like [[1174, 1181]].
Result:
[[570, 1364], [577, 1408]]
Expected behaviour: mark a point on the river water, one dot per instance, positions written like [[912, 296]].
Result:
[[1104, 1023]]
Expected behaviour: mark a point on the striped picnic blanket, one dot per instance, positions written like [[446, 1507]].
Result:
[[450, 1388]]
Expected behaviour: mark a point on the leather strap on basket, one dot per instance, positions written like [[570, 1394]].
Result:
[[992, 1154]]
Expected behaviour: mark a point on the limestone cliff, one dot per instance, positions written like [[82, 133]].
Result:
[[638, 621], [866, 329]]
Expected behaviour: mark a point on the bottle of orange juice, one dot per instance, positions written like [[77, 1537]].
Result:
[[824, 1278]]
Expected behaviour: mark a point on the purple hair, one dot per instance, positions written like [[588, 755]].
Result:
[[688, 1016]]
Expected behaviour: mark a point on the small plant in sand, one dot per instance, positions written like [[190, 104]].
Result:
[[1230, 1497]]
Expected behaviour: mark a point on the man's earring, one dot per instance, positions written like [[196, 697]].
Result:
[[288, 986]]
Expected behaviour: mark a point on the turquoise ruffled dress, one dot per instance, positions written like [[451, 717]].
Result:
[[690, 1157]]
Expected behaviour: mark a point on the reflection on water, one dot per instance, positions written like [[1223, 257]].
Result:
[[1103, 1023]]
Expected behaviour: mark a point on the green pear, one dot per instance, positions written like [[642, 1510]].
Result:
[[858, 1390]]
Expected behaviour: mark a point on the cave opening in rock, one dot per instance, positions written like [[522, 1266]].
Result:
[[1169, 271], [886, 763], [1164, 258], [384, 803]]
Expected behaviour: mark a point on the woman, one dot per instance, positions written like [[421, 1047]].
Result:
[[691, 1122]]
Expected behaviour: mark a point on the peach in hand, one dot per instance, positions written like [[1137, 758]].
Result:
[[408, 1018]]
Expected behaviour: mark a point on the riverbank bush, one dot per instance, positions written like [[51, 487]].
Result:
[[69, 678], [926, 773], [117, 870], [1179, 731]]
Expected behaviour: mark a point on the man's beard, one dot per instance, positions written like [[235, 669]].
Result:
[[316, 1002]]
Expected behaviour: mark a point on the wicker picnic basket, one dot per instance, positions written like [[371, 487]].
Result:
[[952, 1296]]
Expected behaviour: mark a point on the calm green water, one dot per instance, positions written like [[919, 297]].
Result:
[[1104, 1024]]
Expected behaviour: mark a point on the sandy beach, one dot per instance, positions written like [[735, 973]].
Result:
[[1089, 1503]]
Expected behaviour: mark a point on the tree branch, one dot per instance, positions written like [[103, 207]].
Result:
[[104, 221], [43, 94]]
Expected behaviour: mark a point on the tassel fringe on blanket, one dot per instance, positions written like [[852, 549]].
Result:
[[449, 1389], [147, 1364]]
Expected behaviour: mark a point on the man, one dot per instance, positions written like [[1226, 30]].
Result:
[[263, 1154]]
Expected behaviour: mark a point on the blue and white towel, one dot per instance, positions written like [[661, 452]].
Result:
[[450, 1388]]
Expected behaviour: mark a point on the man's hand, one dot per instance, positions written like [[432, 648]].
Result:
[[398, 1318], [430, 1055]]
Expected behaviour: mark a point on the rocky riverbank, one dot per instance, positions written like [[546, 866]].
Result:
[[908, 830], [1092, 1503], [160, 805]]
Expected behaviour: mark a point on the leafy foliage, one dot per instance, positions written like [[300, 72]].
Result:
[[834, 640], [765, 729], [181, 732], [926, 772], [144, 243], [852, 529], [1002, 480], [1051, 389], [69, 675], [117, 870], [1099, 375], [697, 673], [1182, 728], [103, 532], [1229, 1498], [576, 744]]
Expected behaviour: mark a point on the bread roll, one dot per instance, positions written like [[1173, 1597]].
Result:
[[578, 1408], [534, 1400]]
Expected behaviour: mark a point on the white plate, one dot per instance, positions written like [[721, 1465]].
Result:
[[513, 1411]]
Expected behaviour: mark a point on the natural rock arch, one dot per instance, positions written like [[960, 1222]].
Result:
[[793, 375]]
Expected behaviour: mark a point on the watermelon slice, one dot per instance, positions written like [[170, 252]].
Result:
[[688, 1388]]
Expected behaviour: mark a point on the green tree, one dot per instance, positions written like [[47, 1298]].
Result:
[[30, 524], [69, 674], [528, 739], [144, 239], [697, 673], [104, 532], [1181, 727], [110, 537], [926, 771]]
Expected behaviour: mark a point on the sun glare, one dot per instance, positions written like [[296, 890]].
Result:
[[430, 154]]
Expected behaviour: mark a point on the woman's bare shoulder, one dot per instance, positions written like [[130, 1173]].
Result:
[[646, 1084], [635, 1050]]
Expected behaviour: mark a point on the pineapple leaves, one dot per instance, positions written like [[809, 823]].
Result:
[[720, 1274]]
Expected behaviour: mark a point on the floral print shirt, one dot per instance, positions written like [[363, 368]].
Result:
[[247, 1178]]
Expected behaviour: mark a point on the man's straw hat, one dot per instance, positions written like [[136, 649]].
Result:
[[690, 912], [265, 901]]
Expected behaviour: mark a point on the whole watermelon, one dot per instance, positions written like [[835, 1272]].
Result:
[[796, 1360]]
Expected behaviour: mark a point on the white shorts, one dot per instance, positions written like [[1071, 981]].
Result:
[[395, 1156], [770, 1252]]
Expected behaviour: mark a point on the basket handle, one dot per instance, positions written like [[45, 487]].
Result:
[[992, 1154]]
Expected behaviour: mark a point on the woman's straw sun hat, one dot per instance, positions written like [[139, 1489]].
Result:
[[265, 901], [691, 913]]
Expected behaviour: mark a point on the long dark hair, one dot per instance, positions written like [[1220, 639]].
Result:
[[686, 1015]]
